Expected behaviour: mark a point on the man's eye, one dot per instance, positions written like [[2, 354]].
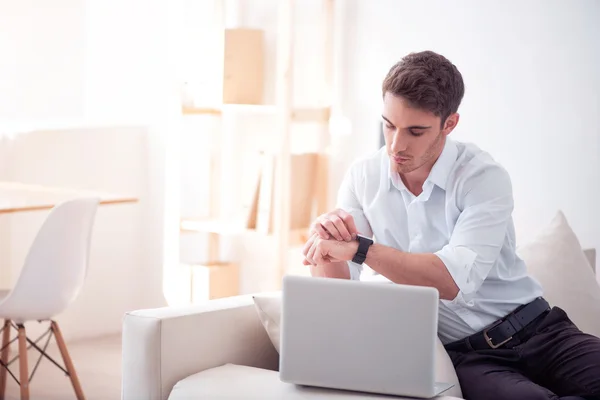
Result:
[[389, 126], [416, 133]]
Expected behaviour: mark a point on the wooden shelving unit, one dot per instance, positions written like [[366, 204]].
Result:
[[298, 115], [218, 223]]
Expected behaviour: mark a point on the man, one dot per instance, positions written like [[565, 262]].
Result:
[[440, 212]]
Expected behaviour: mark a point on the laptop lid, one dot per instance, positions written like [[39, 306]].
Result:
[[362, 336]]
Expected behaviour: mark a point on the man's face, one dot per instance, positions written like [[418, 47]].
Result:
[[413, 137]]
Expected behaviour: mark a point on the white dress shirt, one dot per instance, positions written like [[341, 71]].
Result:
[[463, 215]]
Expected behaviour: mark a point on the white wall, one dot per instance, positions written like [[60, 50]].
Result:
[[532, 84], [88, 79], [129, 79], [42, 53]]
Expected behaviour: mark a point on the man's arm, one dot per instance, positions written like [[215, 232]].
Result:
[[459, 268], [342, 224], [331, 256], [412, 269], [338, 270]]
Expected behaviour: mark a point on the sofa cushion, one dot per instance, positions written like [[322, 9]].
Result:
[[232, 381], [268, 306], [555, 258]]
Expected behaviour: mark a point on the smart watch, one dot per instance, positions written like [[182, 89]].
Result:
[[363, 247]]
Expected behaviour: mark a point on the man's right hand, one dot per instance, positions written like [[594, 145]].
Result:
[[336, 224]]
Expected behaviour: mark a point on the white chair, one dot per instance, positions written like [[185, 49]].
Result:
[[51, 278]]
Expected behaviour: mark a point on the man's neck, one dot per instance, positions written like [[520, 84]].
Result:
[[414, 180]]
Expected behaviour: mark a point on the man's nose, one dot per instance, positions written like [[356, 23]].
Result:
[[399, 144]]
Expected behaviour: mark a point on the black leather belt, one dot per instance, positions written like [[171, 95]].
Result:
[[503, 330]]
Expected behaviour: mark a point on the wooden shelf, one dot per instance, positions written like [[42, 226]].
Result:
[[236, 48], [200, 111], [205, 225], [224, 227], [318, 114], [311, 114]]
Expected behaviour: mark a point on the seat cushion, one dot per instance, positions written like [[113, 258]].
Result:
[[232, 381]]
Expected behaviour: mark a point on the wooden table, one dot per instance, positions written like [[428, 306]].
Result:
[[19, 197]]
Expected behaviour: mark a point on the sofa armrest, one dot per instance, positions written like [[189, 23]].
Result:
[[164, 345]]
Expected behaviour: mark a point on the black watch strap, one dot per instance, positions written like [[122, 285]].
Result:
[[363, 247]]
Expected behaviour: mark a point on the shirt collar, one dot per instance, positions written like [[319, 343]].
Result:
[[442, 167], [439, 173]]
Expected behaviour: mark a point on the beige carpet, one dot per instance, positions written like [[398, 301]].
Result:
[[98, 365]]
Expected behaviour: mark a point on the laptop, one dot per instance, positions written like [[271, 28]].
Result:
[[367, 337]]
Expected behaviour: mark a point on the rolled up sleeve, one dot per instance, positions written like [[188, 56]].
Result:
[[348, 201], [480, 231]]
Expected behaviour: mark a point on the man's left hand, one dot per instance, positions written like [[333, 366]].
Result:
[[318, 251]]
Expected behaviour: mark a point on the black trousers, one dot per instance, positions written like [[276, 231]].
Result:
[[549, 359]]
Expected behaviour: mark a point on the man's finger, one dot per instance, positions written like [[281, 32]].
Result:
[[318, 229], [318, 253], [311, 252], [349, 222], [332, 229], [307, 245], [341, 227]]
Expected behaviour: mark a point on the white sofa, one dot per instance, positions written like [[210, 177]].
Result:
[[221, 350]]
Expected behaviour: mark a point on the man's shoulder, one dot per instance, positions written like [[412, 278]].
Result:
[[473, 162], [476, 170]]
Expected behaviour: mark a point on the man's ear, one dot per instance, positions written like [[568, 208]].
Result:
[[450, 123]]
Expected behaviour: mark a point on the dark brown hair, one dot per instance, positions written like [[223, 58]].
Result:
[[427, 80]]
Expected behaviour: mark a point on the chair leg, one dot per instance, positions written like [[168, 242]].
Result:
[[67, 359], [23, 366], [5, 354]]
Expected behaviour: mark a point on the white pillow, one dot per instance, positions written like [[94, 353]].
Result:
[[555, 258], [268, 306]]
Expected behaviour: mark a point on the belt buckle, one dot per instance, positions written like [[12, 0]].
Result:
[[489, 339]]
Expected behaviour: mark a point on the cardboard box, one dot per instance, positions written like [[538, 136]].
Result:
[[243, 75], [213, 281]]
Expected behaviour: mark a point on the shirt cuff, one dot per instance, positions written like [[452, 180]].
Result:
[[355, 270], [459, 262]]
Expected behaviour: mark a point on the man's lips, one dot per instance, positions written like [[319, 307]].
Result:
[[401, 160]]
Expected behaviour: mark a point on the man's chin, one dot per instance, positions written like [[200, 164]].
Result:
[[405, 169]]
